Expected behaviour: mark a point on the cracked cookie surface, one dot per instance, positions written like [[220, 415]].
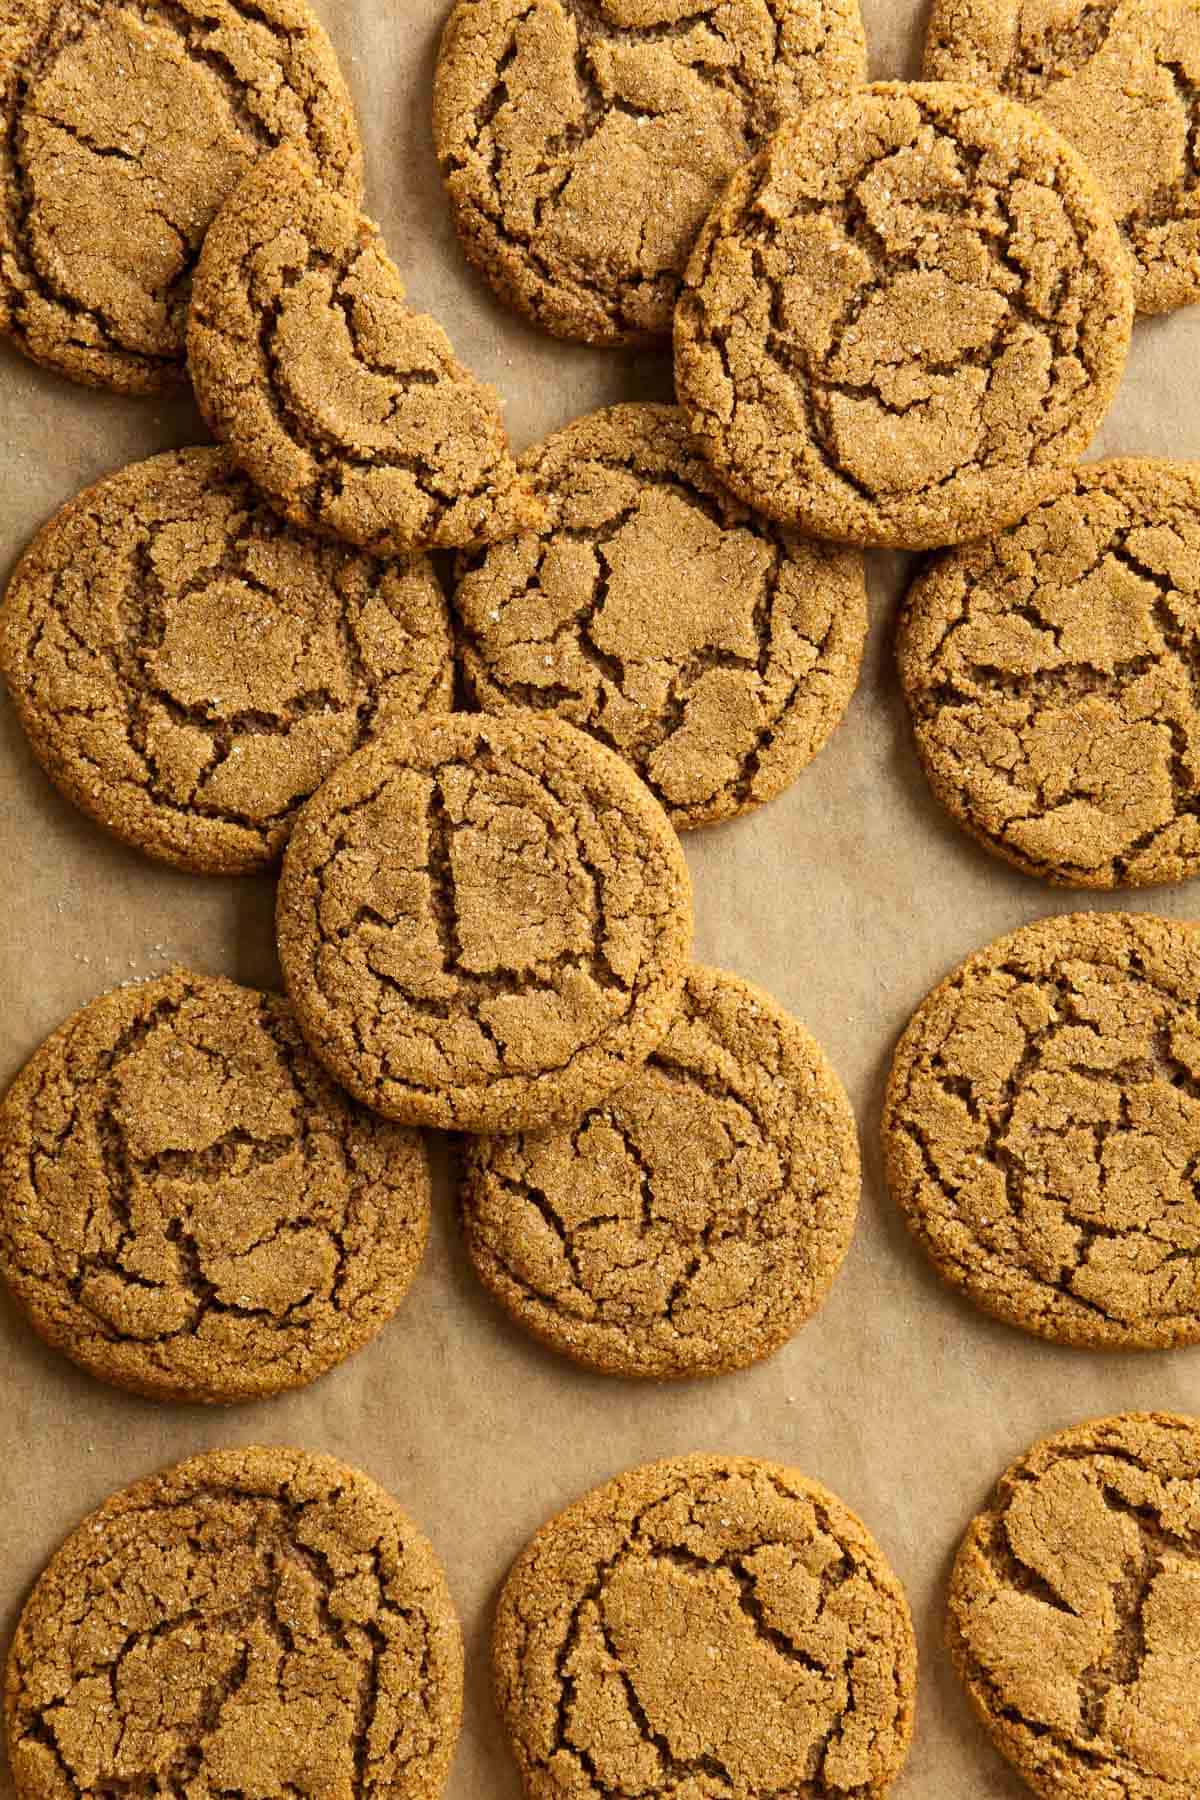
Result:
[[707, 1625], [484, 924], [253, 1621], [712, 649], [905, 318], [1041, 1130], [188, 667], [126, 124], [343, 404], [1121, 80], [694, 1221], [583, 142], [1072, 1611], [190, 1208], [1053, 678]]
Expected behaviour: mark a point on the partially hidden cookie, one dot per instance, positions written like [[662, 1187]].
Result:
[[705, 1624], [190, 1208], [711, 648], [188, 667], [692, 1222], [1042, 1125], [1073, 1606], [1121, 80], [125, 128], [484, 924], [253, 1621], [1050, 674], [905, 319], [346, 407]]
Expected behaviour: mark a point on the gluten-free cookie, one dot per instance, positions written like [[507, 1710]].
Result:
[[905, 319], [706, 1624], [344, 405], [188, 667], [126, 125], [1041, 1130], [1121, 80], [254, 1621], [1050, 674], [583, 142], [714, 650], [692, 1222], [1073, 1606], [484, 924], [190, 1208]]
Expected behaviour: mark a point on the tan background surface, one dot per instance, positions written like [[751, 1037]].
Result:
[[848, 898]]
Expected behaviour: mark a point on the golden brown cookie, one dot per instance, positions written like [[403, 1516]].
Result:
[[264, 1622], [1073, 1609], [708, 1624], [346, 407], [190, 1208], [1121, 80], [905, 319], [1050, 674], [188, 667], [1042, 1125], [692, 1222], [126, 124], [484, 924], [583, 141], [713, 650]]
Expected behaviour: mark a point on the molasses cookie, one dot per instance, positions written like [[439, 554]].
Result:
[[905, 319], [190, 1208], [712, 649], [258, 1621], [583, 142], [188, 667], [126, 124], [484, 924], [706, 1623], [346, 407]]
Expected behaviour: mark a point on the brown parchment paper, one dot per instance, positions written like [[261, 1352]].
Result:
[[847, 898]]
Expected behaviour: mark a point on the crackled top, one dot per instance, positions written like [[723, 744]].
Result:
[[340, 402], [125, 125], [264, 1622], [905, 317], [484, 923], [1042, 1129], [692, 1222], [1051, 673], [1073, 1606], [712, 649], [707, 1625], [583, 142], [188, 667], [190, 1208]]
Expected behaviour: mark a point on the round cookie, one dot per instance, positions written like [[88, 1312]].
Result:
[[125, 127], [484, 924], [1072, 1611], [696, 1219], [346, 407], [1050, 674], [258, 1621], [583, 142], [188, 667], [905, 318], [713, 650], [1121, 80], [190, 1208], [705, 1624], [1041, 1125]]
